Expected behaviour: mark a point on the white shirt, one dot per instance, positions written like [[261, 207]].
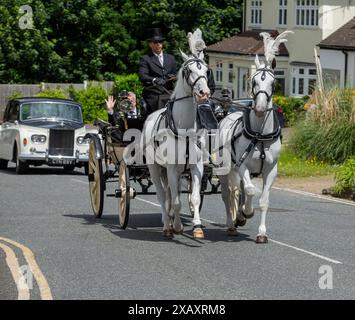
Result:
[[160, 58]]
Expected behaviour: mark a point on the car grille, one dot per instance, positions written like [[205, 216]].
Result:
[[61, 143]]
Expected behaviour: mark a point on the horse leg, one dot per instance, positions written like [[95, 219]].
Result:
[[164, 179], [228, 203], [155, 174], [235, 190], [269, 176], [173, 178], [196, 178], [250, 191]]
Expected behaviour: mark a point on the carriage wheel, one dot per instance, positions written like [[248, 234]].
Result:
[[96, 182], [125, 195], [189, 189]]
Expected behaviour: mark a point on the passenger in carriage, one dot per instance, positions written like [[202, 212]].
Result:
[[127, 108]]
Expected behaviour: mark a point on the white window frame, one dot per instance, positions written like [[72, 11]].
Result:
[[282, 13], [305, 77], [219, 71], [305, 10], [256, 12]]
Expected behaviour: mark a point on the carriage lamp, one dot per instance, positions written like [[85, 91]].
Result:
[[38, 138], [81, 140]]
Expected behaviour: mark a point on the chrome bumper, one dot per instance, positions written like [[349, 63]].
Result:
[[60, 160]]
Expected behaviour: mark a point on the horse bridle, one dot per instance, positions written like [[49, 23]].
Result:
[[263, 77], [186, 72]]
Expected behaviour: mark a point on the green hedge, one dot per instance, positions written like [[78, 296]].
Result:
[[345, 177], [92, 100]]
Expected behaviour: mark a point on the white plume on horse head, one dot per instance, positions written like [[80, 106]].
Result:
[[196, 43], [271, 45]]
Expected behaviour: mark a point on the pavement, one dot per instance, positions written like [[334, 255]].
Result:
[[310, 254]]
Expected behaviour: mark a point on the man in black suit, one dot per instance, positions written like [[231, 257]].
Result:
[[156, 69]]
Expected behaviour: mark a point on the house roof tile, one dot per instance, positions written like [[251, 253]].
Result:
[[245, 43], [343, 38]]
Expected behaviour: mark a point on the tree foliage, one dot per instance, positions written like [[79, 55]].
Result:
[[76, 40]]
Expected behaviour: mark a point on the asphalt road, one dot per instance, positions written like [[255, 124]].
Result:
[[80, 257]]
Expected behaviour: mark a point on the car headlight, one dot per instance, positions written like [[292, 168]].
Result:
[[38, 138], [81, 140]]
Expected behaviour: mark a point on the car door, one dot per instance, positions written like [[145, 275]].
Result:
[[9, 130], [3, 133]]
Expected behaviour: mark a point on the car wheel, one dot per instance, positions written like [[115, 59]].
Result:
[[86, 168], [69, 167], [3, 164], [21, 166]]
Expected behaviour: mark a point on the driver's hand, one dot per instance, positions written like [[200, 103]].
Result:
[[159, 82], [110, 103]]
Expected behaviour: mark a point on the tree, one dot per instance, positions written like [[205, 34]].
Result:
[[73, 40]]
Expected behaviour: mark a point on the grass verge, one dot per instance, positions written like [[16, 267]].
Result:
[[290, 165]]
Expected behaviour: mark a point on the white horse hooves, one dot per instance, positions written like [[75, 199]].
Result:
[[232, 232], [261, 239], [181, 231], [168, 233], [241, 222], [248, 216], [198, 233]]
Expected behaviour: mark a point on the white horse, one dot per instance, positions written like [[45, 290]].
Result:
[[166, 167], [256, 143]]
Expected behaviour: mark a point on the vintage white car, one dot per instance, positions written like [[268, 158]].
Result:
[[37, 131]]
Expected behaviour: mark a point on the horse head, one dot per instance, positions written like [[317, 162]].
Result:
[[194, 68], [263, 81]]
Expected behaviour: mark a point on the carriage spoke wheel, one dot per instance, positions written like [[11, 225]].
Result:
[[96, 182], [189, 189], [125, 195]]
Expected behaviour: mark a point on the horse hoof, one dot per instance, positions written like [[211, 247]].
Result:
[[232, 232], [181, 231], [261, 239], [240, 223], [248, 216], [198, 233], [168, 233]]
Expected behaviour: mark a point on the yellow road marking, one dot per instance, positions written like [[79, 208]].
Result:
[[44, 289], [12, 262]]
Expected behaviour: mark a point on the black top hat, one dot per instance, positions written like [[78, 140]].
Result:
[[155, 34]]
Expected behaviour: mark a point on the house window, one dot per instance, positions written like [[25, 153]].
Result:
[[256, 7], [283, 13], [307, 13], [303, 80], [280, 87], [219, 72], [230, 73]]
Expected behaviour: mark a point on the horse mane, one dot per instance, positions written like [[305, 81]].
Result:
[[178, 77]]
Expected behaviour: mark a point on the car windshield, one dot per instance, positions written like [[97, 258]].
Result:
[[41, 110]]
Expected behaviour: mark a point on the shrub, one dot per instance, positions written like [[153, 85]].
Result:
[[292, 108], [130, 82], [345, 177], [92, 100], [53, 93], [328, 131]]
